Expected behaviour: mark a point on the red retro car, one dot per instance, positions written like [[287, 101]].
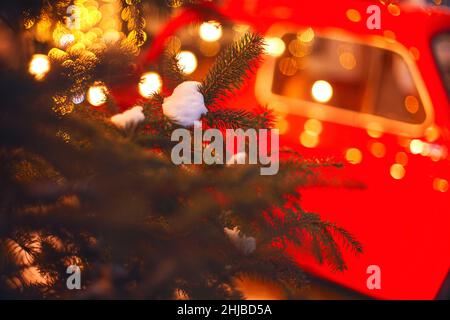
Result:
[[379, 101]]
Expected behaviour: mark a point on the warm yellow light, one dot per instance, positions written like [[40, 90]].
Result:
[[97, 95], [401, 158], [313, 127], [282, 125], [353, 15], [347, 60], [416, 146], [394, 9], [353, 155], [307, 35], [374, 130], [39, 66], [309, 141], [150, 83], [440, 185], [378, 149], [432, 133], [187, 61], [275, 46], [210, 31], [397, 171], [288, 66], [322, 91], [412, 104], [66, 39]]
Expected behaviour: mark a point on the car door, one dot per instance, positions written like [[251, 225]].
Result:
[[364, 102]]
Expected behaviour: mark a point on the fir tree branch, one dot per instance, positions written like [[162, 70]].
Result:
[[171, 71], [232, 67]]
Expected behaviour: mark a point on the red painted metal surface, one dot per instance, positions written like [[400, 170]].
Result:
[[404, 224]]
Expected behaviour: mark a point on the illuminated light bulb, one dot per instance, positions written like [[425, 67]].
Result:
[[97, 95], [412, 104], [66, 40], [150, 83], [275, 46], [353, 15], [401, 158], [374, 130], [353, 155], [309, 141], [313, 127], [440, 185], [39, 66], [432, 133], [378, 149], [187, 61], [416, 146], [322, 91], [210, 31], [397, 171]]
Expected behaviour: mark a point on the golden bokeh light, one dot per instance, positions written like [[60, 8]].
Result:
[[397, 171], [394, 9], [347, 60], [322, 91], [307, 35], [440, 185], [353, 15], [432, 133], [150, 83], [313, 127], [187, 61], [282, 125], [97, 95], [299, 49], [401, 158], [377, 149], [288, 66], [416, 146], [374, 130], [66, 40], [275, 46], [39, 66], [210, 49], [412, 104], [309, 141], [210, 31], [353, 155]]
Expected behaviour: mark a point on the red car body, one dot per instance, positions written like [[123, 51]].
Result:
[[392, 193]]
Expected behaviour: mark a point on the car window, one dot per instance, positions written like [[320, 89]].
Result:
[[441, 49], [347, 75]]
